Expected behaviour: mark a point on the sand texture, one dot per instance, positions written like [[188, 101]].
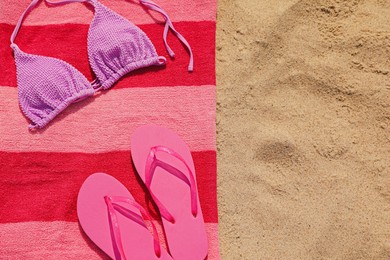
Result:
[[303, 129]]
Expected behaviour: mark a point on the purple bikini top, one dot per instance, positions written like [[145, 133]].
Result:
[[46, 85]]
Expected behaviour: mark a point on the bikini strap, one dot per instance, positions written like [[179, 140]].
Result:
[[21, 19], [66, 2], [168, 25], [31, 6]]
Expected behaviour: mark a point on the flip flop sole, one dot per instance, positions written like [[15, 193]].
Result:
[[94, 218], [186, 238]]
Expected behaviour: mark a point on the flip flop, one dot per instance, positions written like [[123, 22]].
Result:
[[112, 219], [164, 163]]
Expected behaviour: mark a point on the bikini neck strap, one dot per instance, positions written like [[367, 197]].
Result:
[[63, 2], [31, 6]]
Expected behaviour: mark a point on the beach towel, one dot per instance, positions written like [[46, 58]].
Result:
[[41, 172]]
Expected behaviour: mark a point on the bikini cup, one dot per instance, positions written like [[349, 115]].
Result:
[[46, 85]]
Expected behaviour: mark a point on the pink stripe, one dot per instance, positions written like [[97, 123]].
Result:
[[63, 240], [92, 125], [185, 10]]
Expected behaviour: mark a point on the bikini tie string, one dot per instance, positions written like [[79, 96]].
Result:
[[168, 25]]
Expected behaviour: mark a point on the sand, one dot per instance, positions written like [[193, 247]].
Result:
[[303, 119]]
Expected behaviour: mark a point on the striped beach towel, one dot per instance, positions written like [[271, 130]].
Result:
[[41, 172]]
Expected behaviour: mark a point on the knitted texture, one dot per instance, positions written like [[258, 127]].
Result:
[[41, 173], [116, 46], [47, 85]]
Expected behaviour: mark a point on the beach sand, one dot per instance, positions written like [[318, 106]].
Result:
[[303, 121]]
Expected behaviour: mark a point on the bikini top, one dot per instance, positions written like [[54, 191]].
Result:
[[46, 85]]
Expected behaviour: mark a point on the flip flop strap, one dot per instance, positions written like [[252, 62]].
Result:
[[111, 201], [152, 163]]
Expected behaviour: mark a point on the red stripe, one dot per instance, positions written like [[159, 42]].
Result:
[[38, 186], [69, 43]]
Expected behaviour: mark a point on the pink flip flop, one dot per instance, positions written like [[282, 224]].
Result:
[[164, 163], [112, 219]]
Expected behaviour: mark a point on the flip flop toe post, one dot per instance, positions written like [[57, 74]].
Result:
[[112, 219], [164, 163]]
